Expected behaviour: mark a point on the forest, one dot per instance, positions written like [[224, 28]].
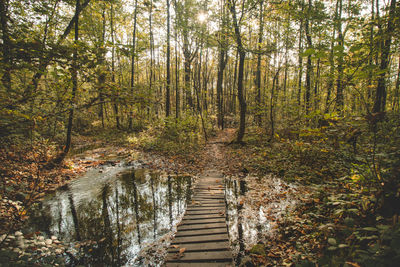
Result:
[[305, 91]]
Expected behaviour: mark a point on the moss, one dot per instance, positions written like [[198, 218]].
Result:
[[258, 249]]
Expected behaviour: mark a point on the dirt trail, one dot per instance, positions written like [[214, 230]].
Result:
[[214, 154]]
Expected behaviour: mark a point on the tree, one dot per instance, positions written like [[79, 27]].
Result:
[[222, 61], [168, 86], [242, 55], [258, 70], [380, 95], [7, 56], [74, 77], [133, 62]]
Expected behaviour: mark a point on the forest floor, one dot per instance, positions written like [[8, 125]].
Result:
[[316, 221]]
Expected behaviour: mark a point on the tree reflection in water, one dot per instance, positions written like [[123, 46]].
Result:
[[111, 216]]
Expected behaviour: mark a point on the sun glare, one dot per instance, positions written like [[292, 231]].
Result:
[[202, 17]]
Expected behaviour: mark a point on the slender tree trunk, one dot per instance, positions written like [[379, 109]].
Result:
[[222, 60], [272, 104], [316, 85], [309, 61], [177, 89], [133, 66], [242, 55], [7, 55], [371, 52], [380, 96], [258, 70], [74, 78], [152, 72], [168, 86], [396, 98], [102, 75], [115, 93], [331, 63], [300, 57], [340, 68], [235, 78]]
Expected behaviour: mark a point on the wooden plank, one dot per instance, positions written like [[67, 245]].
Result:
[[219, 196], [208, 200], [203, 221], [209, 189], [205, 194], [199, 264], [205, 211], [186, 227], [202, 216], [201, 197], [214, 231], [206, 205], [204, 256], [214, 246], [200, 239]]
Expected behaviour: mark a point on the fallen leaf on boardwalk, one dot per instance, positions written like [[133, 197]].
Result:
[[182, 250], [177, 256], [352, 264], [175, 246]]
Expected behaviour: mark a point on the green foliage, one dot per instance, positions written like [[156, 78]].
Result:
[[170, 136]]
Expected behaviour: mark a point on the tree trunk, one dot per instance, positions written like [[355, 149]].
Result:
[[340, 68], [258, 70], [396, 98], [380, 95], [222, 60], [74, 78], [102, 76], [115, 91], [177, 90], [242, 55], [7, 56], [300, 57], [331, 64], [309, 61], [152, 72], [133, 66], [168, 86]]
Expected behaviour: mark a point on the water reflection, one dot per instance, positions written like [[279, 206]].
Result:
[[252, 209], [109, 216]]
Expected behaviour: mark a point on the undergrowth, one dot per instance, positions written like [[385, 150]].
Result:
[[350, 167]]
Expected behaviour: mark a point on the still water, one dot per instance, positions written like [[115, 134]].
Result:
[[114, 215]]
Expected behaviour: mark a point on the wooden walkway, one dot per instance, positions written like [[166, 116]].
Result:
[[202, 237]]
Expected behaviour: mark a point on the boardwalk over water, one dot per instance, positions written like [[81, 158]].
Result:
[[202, 238]]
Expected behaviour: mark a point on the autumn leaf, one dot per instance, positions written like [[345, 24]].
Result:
[[353, 264]]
